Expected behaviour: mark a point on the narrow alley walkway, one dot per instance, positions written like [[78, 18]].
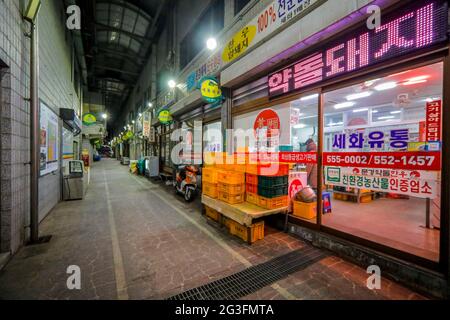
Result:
[[134, 239]]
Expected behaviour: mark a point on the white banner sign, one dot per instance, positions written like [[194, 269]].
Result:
[[420, 184]]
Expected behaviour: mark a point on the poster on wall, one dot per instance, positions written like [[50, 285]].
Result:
[[49, 155], [68, 152]]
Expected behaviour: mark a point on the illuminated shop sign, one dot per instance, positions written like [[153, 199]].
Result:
[[413, 28]]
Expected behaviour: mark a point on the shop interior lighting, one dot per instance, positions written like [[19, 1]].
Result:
[[416, 80], [344, 105], [360, 110], [150, 104], [431, 99], [211, 44], [360, 95], [386, 118], [300, 126], [386, 86], [335, 124], [396, 112], [374, 111], [410, 83], [310, 97]]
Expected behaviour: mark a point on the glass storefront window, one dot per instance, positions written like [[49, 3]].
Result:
[[304, 130], [212, 137], [382, 160]]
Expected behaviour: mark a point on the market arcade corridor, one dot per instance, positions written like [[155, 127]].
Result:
[[134, 239]]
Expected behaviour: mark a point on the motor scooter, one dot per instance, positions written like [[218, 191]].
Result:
[[187, 181]]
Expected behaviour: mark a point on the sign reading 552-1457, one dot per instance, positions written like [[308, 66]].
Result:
[[430, 161]]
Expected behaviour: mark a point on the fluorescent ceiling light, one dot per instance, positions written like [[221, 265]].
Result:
[[374, 111], [344, 105], [360, 95], [360, 110], [386, 86], [420, 78], [299, 126], [310, 97], [333, 124], [410, 83], [386, 118], [416, 80], [396, 112], [431, 99]]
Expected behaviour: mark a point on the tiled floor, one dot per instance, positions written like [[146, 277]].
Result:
[[134, 239]]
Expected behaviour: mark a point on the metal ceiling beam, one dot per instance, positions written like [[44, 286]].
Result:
[[131, 5], [122, 54], [116, 70], [105, 27]]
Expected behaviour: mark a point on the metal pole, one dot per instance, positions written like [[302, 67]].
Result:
[[34, 136]]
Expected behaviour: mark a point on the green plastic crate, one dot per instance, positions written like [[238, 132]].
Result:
[[273, 192], [273, 182]]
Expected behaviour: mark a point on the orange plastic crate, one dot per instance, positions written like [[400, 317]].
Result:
[[256, 231], [231, 177], [251, 188], [231, 188], [251, 179], [209, 175], [278, 169], [213, 214], [209, 189], [252, 198], [231, 198], [273, 203], [306, 211]]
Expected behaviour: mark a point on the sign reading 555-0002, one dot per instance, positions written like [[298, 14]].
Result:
[[428, 161]]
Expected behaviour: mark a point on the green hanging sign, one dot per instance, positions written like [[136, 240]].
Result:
[[89, 119], [164, 116], [210, 90]]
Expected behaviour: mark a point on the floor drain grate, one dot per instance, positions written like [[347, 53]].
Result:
[[254, 278]]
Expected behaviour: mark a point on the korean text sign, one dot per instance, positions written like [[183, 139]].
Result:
[[417, 26], [419, 184]]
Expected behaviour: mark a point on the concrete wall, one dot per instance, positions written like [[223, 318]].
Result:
[[56, 90]]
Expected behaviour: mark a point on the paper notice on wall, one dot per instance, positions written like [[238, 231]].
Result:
[[49, 155], [420, 184]]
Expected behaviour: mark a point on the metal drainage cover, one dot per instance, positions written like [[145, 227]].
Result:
[[254, 278]]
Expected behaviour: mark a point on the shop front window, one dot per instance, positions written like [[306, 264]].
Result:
[[304, 129], [212, 137], [382, 160], [192, 141]]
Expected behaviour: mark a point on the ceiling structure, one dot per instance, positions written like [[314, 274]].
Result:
[[117, 39]]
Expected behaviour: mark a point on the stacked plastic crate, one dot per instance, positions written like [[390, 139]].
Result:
[[231, 186], [267, 185], [209, 182]]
